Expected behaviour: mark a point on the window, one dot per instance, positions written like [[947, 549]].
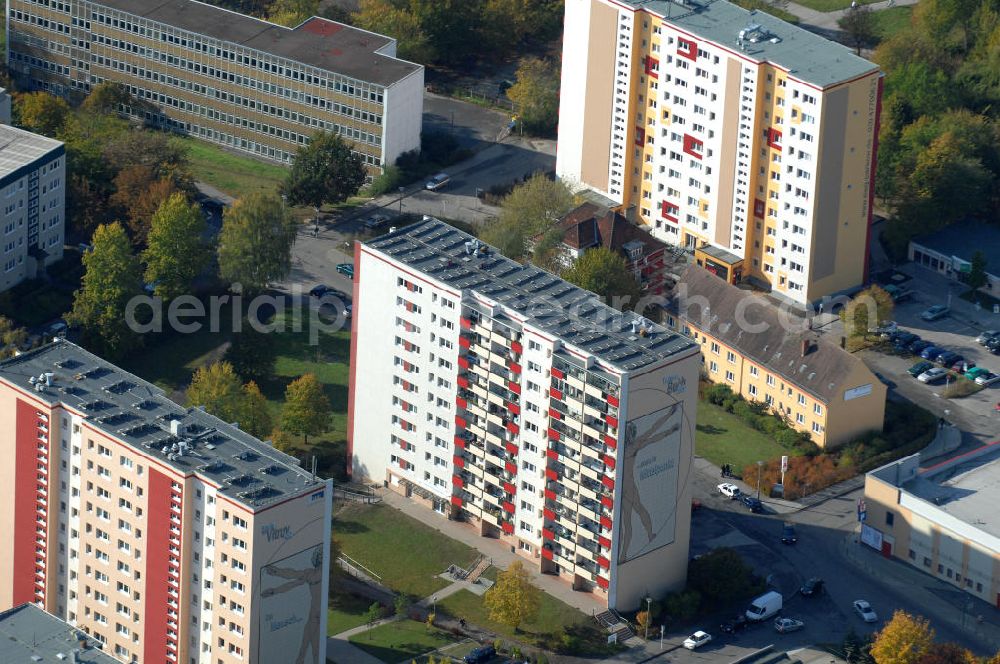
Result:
[[731, 357], [730, 376], [890, 518], [754, 371], [715, 348], [713, 367]]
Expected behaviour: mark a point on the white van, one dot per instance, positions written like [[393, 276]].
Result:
[[764, 607]]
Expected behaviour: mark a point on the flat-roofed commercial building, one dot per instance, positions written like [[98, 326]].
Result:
[[725, 129], [164, 533], [29, 634], [238, 81], [503, 396]]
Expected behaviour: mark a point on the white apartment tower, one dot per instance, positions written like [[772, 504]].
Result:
[[502, 396]]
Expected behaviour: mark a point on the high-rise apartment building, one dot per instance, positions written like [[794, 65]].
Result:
[[164, 533], [748, 140], [33, 195], [502, 396], [225, 77]]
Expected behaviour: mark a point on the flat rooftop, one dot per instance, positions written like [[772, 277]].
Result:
[[139, 414], [29, 634], [318, 42], [807, 56], [969, 491], [20, 148], [545, 301], [963, 239]]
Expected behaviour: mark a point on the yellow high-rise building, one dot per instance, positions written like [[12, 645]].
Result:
[[741, 137]]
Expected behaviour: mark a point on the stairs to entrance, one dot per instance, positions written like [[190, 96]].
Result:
[[613, 623], [477, 570]]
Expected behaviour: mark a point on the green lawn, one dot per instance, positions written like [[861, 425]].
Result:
[[346, 612], [401, 640], [890, 21], [232, 173], [362, 532], [831, 5], [724, 438], [769, 8]]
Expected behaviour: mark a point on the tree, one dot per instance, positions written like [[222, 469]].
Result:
[[255, 418], [721, 575], [252, 353], [905, 639], [282, 441], [176, 251], [402, 605], [512, 600], [42, 113], [372, 614], [948, 653], [307, 410], [859, 24], [530, 209], [643, 619], [857, 315], [111, 278], [606, 273], [255, 244], [536, 95], [977, 273], [11, 337], [138, 195], [218, 390], [382, 17], [324, 171], [290, 13], [106, 97]]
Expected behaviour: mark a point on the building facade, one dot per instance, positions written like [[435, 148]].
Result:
[[772, 357], [33, 195], [950, 252], [500, 395], [220, 76], [164, 533], [937, 519], [725, 128]]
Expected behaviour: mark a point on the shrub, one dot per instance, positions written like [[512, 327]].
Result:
[[682, 606], [720, 577], [388, 182], [718, 393]]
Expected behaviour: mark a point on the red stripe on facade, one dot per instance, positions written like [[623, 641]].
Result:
[[157, 555], [25, 493], [351, 399]]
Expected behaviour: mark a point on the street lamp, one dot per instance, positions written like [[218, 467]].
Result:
[[649, 615], [401, 190], [760, 466]]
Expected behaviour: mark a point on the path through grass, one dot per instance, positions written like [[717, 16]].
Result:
[[401, 641]]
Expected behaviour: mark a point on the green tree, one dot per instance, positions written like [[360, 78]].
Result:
[[106, 97], [252, 353], [11, 337], [218, 390], [324, 171], [255, 244], [111, 278], [290, 13], [383, 17], [402, 605], [512, 600], [977, 273], [42, 113], [606, 273], [176, 251], [529, 210], [859, 24], [282, 441], [536, 95], [721, 576], [452, 26], [307, 410], [905, 639], [373, 613], [858, 314], [256, 418]]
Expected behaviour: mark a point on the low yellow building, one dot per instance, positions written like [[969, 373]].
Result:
[[770, 355], [939, 519]]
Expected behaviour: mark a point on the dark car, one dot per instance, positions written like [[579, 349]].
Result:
[[346, 269], [737, 624], [752, 504], [931, 352], [919, 368], [948, 358], [480, 655], [904, 339], [918, 346], [323, 291], [812, 587], [788, 535]]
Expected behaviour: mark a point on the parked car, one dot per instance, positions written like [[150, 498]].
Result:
[[767, 605], [931, 352], [481, 655], [788, 535], [896, 293], [865, 610], [812, 587], [56, 329], [377, 220], [785, 625], [949, 358], [730, 490], [987, 379], [752, 504], [321, 290], [346, 269], [437, 182], [934, 313], [918, 346], [697, 640], [887, 330], [932, 375], [985, 337], [975, 372], [904, 338], [993, 345], [963, 366], [919, 368], [737, 624]]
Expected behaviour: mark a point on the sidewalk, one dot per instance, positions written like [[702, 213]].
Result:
[[500, 553]]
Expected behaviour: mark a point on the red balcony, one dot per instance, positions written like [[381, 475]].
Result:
[[516, 347], [555, 413], [606, 522], [552, 454], [466, 323], [508, 507], [612, 421], [553, 434], [558, 374], [609, 461], [461, 403], [459, 461], [548, 534], [457, 481], [460, 422], [460, 442], [462, 381], [550, 494], [513, 366], [463, 362], [613, 400], [509, 488], [512, 407], [603, 562], [513, 428], [552, 475], [455, 500], [403, 464], [508, 528], [464, 341], [513, 387], [510, 467], [607, 501], [602, 582], [608, 482], [546, 553], [548, 514], [610, 442], [604, 541], [555, 394], [510, 447]]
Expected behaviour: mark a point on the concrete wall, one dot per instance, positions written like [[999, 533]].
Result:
[[403, 117]]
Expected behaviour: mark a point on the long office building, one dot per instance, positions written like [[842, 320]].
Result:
[[500, 395], [164, 533], [747, 140], [224, 77]]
